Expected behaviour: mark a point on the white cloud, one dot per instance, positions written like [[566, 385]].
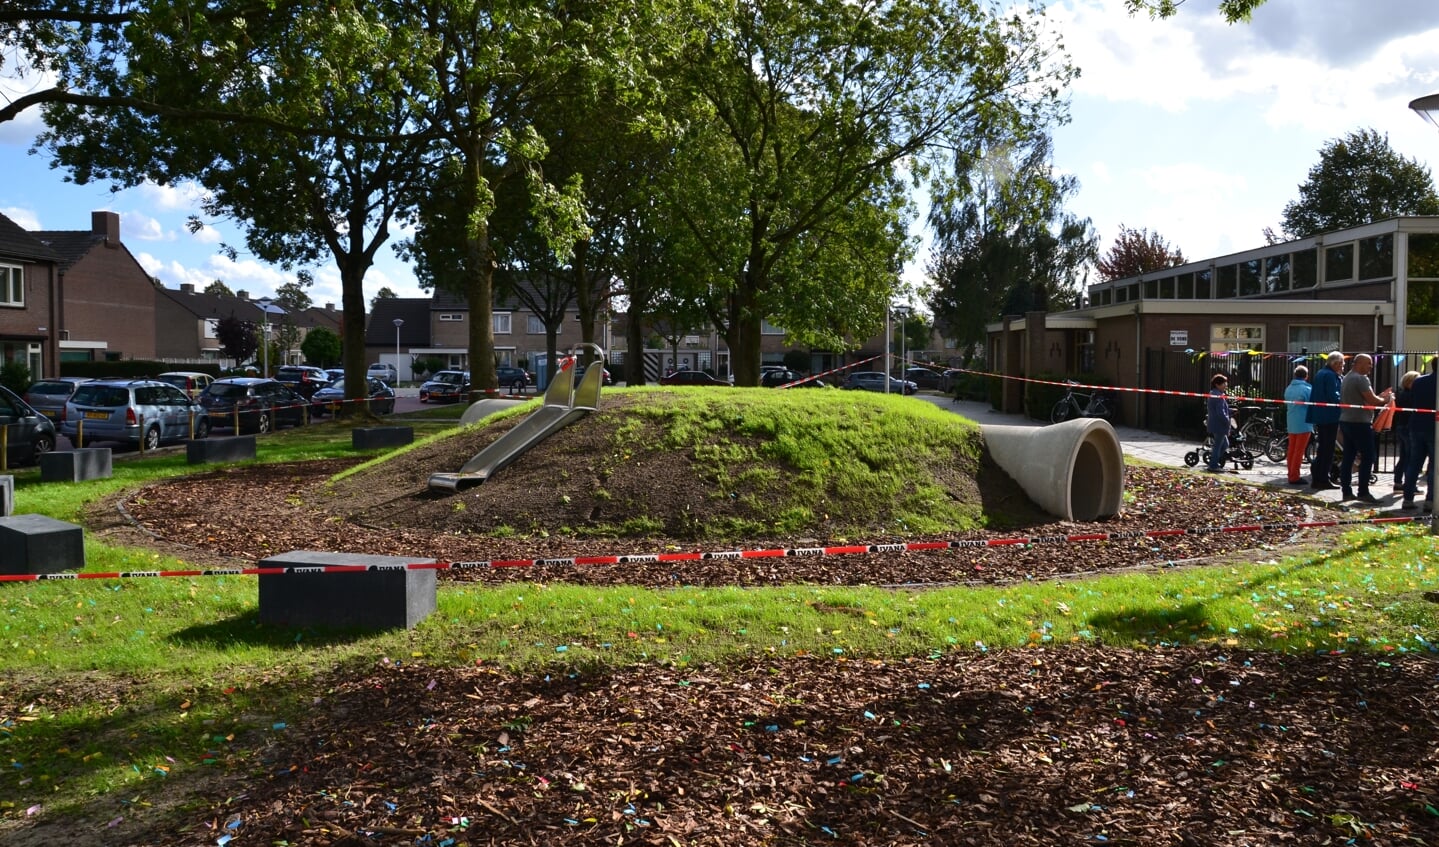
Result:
[[138, 226], [23, 218], [185, 197]]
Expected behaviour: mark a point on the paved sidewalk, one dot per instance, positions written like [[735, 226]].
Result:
[[1165, 450]]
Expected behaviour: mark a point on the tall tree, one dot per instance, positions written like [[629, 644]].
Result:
[[1009, 247], [385, 293], [219, 287], [813, 113], [1137, 251], [321, 347], [1359, 179], [237, 338], [294, 118], [293, 296]]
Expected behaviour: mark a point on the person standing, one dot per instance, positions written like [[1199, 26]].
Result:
[[1399, 425], [1297, 423], [1217, 422], [1421, 438], [1357, 423], [1325, 420]]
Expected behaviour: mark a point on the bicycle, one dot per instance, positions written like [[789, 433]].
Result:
[[1260, 431], [1075, 405]]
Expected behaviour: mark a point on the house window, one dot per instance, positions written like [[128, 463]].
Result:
[[1186, 286], [501, 323], [1423, 302], [1228, 282], [534, 326], [1276, 273], [1151, 289], [1249, 278], [767, 328], [1306, 269], [1316, 338], [1226, 337], [212, 328], [12, 285], [1376, 257], [1166, 288], [452, 316], [1203, 285], [1339, 262]]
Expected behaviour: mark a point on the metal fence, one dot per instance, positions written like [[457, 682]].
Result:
[[1264, 375]]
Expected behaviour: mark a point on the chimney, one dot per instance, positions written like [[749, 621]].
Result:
[[243, 294], [187, 288], [108, 225], [329, 307]]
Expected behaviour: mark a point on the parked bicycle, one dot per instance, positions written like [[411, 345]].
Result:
[[1076, 405], [1263, 435]]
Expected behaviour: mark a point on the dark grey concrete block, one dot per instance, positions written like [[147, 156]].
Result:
[[7, 495], [371, 437], [375, 599], [77, 465], [40, 544], [236, 448]]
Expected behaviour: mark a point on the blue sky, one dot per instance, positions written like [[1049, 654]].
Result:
[[1189, 127]]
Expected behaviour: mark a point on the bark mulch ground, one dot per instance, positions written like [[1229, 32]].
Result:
[[1082, 745]]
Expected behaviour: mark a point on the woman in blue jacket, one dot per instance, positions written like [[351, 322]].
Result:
[[1325, 420]]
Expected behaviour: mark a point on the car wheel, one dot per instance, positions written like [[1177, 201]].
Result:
[[202, 428], [44, 443], [262, 423], [152, 438]]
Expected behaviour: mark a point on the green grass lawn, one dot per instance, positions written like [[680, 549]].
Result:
[[203, 680]]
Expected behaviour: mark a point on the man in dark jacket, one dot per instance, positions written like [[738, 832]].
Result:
[[1421, 438], [1325, 420]]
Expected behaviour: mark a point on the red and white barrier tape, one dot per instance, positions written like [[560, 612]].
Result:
[[830, 371], [696, 556]]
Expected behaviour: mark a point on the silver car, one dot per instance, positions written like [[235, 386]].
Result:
[[138, 411], [48, 396]]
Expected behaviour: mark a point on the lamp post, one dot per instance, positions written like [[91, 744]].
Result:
[[902, 312], [399, 322], [888, 336], [1428, 109], [265, 346]]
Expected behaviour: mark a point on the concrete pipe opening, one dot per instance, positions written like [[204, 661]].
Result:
[[1074, 470]]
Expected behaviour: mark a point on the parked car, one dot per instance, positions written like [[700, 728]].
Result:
[[874, 381], [263, 404], [775, 377], [302, 379], [922, 377], [146, 412], [28, 432], [192, 383], [48, 396], [382, 397], [689, 377], [515, 379], [335, 374], [446, 387], [384, 372]]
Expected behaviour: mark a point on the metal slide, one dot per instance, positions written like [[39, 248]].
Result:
[[564, 404]]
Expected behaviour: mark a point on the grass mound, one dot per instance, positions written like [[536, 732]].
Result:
[[716, 464]]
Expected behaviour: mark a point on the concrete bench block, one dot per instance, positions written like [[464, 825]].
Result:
[[7, 495], [236, 448], [40, 544], [79, 465], [371, 437], [372, 600]]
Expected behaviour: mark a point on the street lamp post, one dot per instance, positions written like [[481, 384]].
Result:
[[399, 322], [1428, 109], [902, 312], [265, 346]]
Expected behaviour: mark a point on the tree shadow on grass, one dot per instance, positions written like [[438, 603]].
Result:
[[1178, 624]]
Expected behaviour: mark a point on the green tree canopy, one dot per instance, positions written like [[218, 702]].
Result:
[[219, 287], [321, 347], [385, 293], [237, 338], [1359, 179]]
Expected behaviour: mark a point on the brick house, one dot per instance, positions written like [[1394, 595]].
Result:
[[186, 322], [104, 298], [28, 292]]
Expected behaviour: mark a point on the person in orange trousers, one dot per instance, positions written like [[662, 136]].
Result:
[[1299, 429]]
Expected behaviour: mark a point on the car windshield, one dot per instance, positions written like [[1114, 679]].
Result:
[[177, 381], [227, 390], [449, 378], [336, 386], [101, 395]]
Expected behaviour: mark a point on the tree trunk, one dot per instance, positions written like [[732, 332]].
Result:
[[480, 283]]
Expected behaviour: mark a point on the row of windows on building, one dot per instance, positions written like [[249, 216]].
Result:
[[1345, 262]]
